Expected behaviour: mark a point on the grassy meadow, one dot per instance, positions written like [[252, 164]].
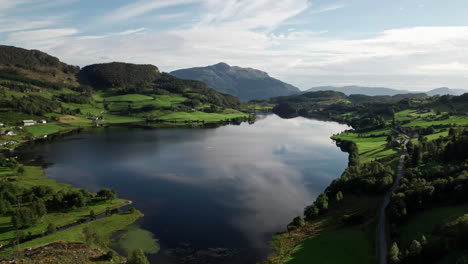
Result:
[[34, 176], [336, 247]]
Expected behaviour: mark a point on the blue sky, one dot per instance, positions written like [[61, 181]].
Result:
[[410, 44]]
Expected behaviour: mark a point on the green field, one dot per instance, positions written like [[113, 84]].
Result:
[[128, 98], [44, 129], [103, 227], [437, 135], [201, 116], [455, 120], [370, 148], [425, 222], [34, 176], [417, 119], [337, 247]]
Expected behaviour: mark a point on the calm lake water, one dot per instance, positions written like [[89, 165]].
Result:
[[230, 187]]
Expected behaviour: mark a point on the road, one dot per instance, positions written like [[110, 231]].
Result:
[[382, 224]]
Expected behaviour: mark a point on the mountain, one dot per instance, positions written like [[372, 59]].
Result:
[[445, 90], [37, 86], [348, 90], [375, 91], [119, 74], [245, 83], [36, 65]]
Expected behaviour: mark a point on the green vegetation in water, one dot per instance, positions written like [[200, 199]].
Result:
[[136, 238]]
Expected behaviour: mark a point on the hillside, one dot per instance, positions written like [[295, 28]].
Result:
[[313, 103], [36, 86], [446, 91], [245, 83], [370, 91], [36, 65], [381, 91], [411, 150]]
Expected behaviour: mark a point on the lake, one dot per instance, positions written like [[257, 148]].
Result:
[[220, 191]]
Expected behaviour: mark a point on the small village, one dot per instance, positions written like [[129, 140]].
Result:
[[8, 134]]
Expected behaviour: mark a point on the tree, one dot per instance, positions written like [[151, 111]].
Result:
[[107, 194], [423, 240], [92, 214], [20, 170], [51, 228], [339, 196], [39, 208], [89, 235], [297, 222], [23, 217], [322, 202], [311, 211], [137, 257], [394, 253], [416, 157], [415, 248]]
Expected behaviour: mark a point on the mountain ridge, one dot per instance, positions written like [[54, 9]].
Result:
[[382, 91], [246, 83]]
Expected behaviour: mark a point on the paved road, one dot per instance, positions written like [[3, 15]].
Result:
[[382, 225]]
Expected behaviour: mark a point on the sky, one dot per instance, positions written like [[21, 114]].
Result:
[[406, 44]]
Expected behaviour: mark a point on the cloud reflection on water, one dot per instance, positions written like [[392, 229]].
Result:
[[247, 180]]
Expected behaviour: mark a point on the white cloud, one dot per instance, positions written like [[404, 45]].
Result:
[[16, 24], [41, 38], [454, 68], [123, 33], [139, 8], [327, 8], [242, 32]]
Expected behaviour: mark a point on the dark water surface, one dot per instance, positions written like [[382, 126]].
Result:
[[230, 187]]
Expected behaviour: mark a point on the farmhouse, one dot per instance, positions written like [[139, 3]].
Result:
[[396, 143], [29, 122], [10, 133], [95, 118], [43, 122]]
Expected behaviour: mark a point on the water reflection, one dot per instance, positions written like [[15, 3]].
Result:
[[232, 186]]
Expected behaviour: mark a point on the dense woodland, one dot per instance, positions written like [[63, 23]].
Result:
[[436, 175]]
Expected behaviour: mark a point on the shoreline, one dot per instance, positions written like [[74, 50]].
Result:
[[68, 131]]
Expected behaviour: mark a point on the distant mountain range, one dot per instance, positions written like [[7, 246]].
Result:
[[373, 91], [245, 83]]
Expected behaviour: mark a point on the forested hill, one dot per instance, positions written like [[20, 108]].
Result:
[[246, 83], [125, 76], [314, 103], [36, 65], [134, 78], [39, 87]]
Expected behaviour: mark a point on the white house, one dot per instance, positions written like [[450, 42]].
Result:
[[1, 124], [11, 133], [43, 122], [29, 122]]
